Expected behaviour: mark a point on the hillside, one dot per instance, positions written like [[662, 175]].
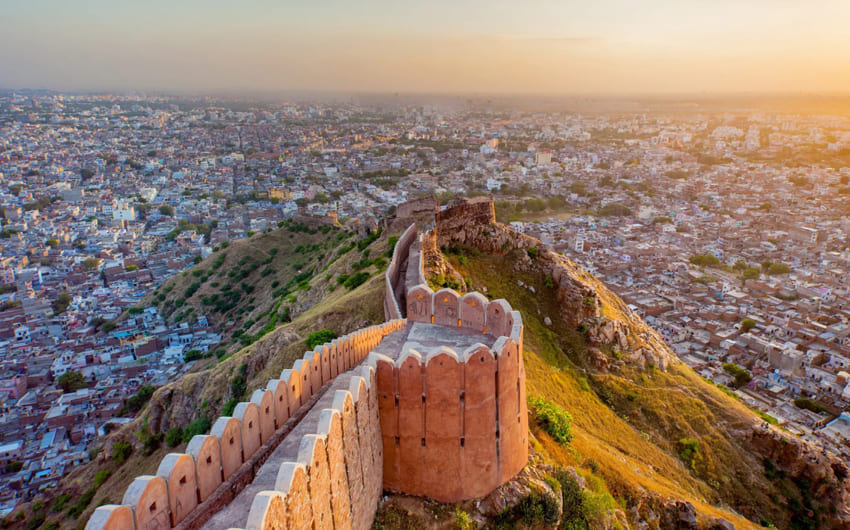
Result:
[[647, 429], [322, 300]]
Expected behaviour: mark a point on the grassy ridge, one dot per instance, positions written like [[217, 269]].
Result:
[[628, 425]]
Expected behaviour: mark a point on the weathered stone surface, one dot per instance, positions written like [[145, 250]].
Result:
[[248, 415], [442, 426], [473, 311], [330, 424], [206, 452], [111, 517], [292, 481], [313, 455], [264, 399], [178, 470], [268, 512], [229, 434], [419, 308], [148, 497]]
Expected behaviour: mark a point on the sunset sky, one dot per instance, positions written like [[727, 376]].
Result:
[[496, 46]]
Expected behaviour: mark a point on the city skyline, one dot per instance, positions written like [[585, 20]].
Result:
[[542, 47]]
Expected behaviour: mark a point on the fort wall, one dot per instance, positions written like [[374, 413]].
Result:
[[396, 273], [447, 410], [188, 486]]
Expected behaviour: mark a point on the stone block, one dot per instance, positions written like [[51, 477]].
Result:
[[111, 517], [264, 399], [419, 304], [498, 312], [473, 312], [248, 415], [229, 434], [148, 497], [445, 306], [280, 399], [313, 455], [442, 425], [206, 451], [315, 360], [178, 470], [268, 512], [303, 368], [293, 390], [324, 352], [479, 466], [330, 425], [352, 452]]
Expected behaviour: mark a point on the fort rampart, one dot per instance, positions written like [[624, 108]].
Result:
[[188, 487], [444, 418]]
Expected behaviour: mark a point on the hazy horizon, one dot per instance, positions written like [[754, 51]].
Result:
[[541, 47]]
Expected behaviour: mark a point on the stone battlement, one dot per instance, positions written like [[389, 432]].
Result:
[[189, 488], [437, 409]]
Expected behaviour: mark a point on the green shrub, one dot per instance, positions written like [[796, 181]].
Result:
[[174, 436], [356, 280], [80, 506], [532, 252], [553, 419], [121, 451], [228, 408], [60, 502], [533, 510], [808, 404], [320, 337], [100, 477], [199, 426], [689, 451]]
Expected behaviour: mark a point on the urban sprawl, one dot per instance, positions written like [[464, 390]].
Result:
[[726, 230]]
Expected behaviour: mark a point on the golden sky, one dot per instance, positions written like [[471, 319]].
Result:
[[530, 46]]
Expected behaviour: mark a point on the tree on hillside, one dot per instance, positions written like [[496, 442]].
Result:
[[751, 273], [72, 381], [166, 209]]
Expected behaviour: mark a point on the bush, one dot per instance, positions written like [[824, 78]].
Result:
[[532, 252], [72, 381], [320, 337], [689, 451], [80, 506], [742, 376], [121, 451], [229, 407], [100, 477], [553, 419], [808, 404], [747, 324], [533, 510], [138, 400], [199, 426], [575, 511], [192, 355], [356, 280], [60, 502], [174, 436]]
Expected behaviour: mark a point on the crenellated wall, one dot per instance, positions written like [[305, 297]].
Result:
[[395, 274], [437, 410], [447, 410], [216, 466]]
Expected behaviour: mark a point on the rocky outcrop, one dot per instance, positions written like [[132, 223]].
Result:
[[583, 301], [825, 475]]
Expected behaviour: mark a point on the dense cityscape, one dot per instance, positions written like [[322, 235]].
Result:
[[725, 229]]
